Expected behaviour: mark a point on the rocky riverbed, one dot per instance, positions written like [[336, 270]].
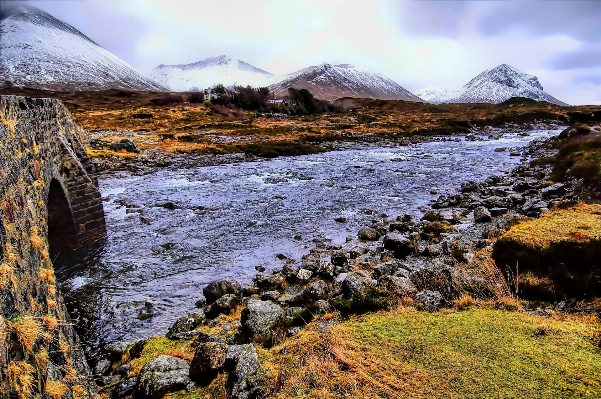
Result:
[[176, 229]]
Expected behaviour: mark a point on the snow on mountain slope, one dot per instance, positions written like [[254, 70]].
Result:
[[432, 94], [493, 86], [329, 82], [40, 51], [209, 72]]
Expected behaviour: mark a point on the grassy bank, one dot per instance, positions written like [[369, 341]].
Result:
[[478, 353], [481, 351], [556, 256]]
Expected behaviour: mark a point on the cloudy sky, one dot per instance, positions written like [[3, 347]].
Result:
[[417, 43]]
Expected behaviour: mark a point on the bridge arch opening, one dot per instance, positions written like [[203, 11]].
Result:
[[62, 231]]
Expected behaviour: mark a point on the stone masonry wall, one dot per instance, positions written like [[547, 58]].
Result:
[[41, 146]]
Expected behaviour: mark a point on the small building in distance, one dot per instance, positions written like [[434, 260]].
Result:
[[277, 102]]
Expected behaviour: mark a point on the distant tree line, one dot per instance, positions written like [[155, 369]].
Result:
[[302, 102], [299, 101]]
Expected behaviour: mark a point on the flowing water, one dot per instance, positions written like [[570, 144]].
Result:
[[229, 218]]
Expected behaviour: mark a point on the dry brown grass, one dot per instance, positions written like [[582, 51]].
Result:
[[56, 389], [27, 330], [484, 269], [21, 377], [464, 302], [194, 128]]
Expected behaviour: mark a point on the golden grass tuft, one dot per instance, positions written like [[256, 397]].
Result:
[[21, 377], [465, 302], [5, 275], [47, 275], [27, 330], [49, 321], [581, 223], [508, 303], [56, 389], [79, 392]]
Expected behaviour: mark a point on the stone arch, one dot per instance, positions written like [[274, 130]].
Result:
[[62, 230]]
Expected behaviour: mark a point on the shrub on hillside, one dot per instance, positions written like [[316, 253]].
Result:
[[169, 99]]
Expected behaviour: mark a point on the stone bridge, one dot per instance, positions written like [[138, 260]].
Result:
[[49, 203]]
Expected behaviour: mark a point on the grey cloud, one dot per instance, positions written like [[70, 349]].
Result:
[[577, 19], [594, 79], [585, 57], [431, 18]]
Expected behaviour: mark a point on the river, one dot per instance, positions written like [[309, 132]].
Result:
[[228, 219]]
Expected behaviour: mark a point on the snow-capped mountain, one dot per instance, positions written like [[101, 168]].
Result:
[[329, 82], [40, 51], [492, 86], [209, 72]]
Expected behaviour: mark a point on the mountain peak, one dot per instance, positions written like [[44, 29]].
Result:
[[208, 72], [41, 51], [493, 86], [330, 82]]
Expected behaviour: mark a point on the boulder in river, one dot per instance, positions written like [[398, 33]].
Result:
[[240, 361], [215, 290], [224, 305], [368, 234], [124, 388], [553, 191], [315, 291], [270, 282], [385, 268], [185, 324], [482, 215], [115, 350], [400, 244], [339, 258], [400, 286], [304, 275], [354, 282]]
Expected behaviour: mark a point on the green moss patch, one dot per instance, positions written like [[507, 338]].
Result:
[[555, 256]]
